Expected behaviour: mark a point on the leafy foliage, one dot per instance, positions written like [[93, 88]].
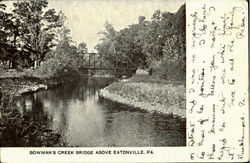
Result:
[[34, 36], [158, 44], [65, 60], [36, 27], [20, 130]]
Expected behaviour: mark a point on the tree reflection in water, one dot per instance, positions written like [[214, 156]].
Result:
[[82, 118]]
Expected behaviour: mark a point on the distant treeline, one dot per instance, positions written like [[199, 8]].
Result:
[[159, 44], [31, 35]]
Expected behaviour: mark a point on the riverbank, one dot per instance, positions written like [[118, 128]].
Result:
[[18, 86], [149, 93], [17, 129]]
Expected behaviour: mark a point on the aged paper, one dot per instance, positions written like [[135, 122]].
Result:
[[217, 80], [217, 100]]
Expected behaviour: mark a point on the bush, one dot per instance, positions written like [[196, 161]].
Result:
[[169, 69], [20, 130], [52, 68]]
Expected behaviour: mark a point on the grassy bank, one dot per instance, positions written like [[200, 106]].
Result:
[[19, 81], [149, 93], [17, 86], [18, 129]]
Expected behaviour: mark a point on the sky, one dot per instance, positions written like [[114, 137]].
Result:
[[85, 18]]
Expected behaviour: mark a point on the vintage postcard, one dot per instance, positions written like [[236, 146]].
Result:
[[124, 81]]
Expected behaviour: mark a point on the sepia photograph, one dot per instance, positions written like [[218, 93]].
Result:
[[93, 73]]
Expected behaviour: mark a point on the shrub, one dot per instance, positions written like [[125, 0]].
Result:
[[52, 68], [169, 69], [20, 130]]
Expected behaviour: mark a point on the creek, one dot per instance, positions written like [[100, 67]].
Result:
[[84, 119]]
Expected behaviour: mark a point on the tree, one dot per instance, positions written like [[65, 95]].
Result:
[[3, 34], [107, 46], [141, 19], [37, 28], [158, 43], [8, 34], [82, 48], [63, 61]]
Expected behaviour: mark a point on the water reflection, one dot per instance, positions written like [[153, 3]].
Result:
[[76, 111]]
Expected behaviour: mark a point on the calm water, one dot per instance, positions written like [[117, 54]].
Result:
[[76, 111]]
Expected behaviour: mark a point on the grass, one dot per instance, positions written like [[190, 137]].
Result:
[[150, 93], [153, 79]]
